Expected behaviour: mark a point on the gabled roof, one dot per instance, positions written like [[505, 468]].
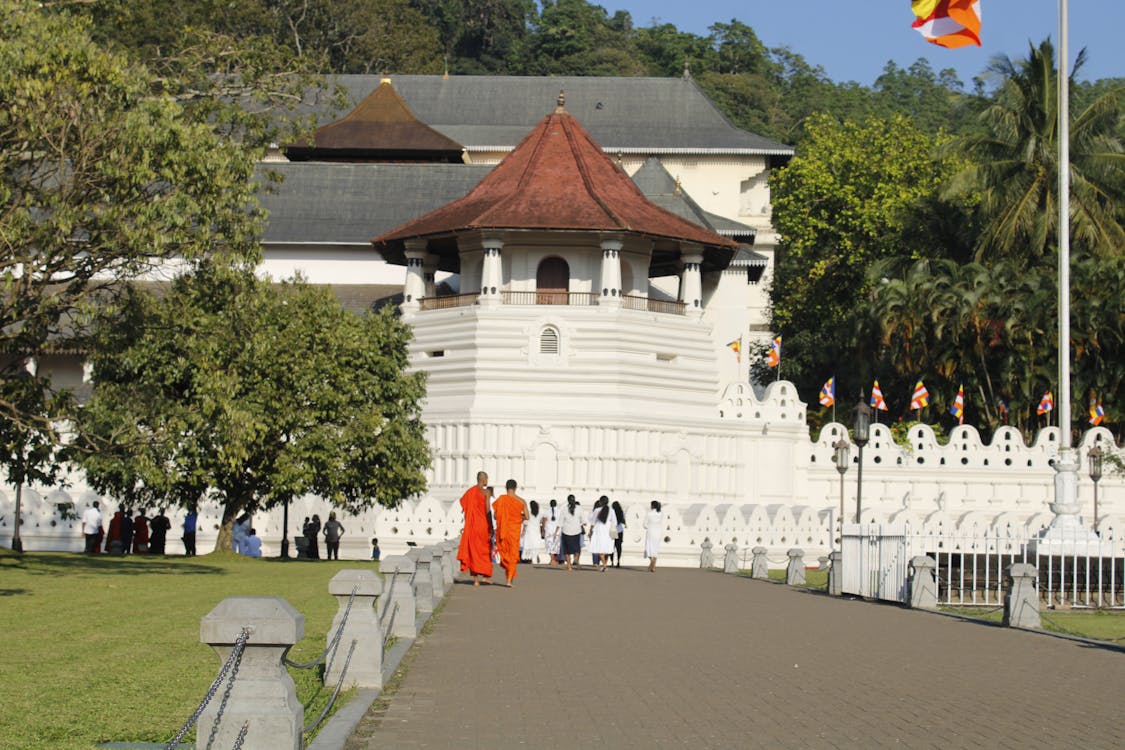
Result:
[[557, 179], [661, 188], [380, 126], [624, 114]]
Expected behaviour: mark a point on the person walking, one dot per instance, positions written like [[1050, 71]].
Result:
[[654, 533], [127, 532], [160, 528], [511, 513], [531, 543], [475, 550], [601, 537], [92, 527], [140, 533], [550, 524], [332, 533], [113, 534], [191, 520], [618, 520], [572, 530]]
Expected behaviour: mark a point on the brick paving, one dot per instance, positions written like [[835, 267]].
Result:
[[696, 659]]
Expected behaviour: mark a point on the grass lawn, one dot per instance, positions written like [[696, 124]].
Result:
[[107, 649], [1102, 625], [814, 579]]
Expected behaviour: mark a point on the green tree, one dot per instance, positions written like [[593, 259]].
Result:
[[251, 393], [482, 36], [573, 37]]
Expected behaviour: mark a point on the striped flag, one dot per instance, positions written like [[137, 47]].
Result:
[[774, 358], [958, 409], [1046, 404], [828, 392], [921, 397], [1002, 407], [1097, 413], [877, 400], [948, 23], [736, 347]]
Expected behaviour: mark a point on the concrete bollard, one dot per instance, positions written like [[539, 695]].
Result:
[[795, 572], [1021, 602], [822, 562], [449, 562], [362, 626], [759, 566], [730, 559], [923, 584], [263, 696], [836, 573], [706, 557], [423, 583], [437, 575], [403, 622]]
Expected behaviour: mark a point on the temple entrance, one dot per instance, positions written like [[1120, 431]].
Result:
[[552, 282]]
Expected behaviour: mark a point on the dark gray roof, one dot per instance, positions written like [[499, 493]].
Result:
[[333, 203], [626, 115], [660, 187]]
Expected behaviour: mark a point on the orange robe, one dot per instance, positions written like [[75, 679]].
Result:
[[508, 510], [475, 553]]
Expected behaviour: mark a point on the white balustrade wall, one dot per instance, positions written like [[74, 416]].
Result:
[[787, 489]]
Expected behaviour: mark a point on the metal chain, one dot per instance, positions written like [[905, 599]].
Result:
[[227, 692], [332, 701], [339, 632], [331, 644], [390, 626], [239, 645], [241, 736]]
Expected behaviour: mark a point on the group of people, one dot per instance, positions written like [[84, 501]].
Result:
[[508, 529], [127, 534], [332, 530], [244, 537]]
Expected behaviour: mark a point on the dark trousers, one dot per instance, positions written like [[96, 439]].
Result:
[[91, 544], [189, 543], [333, 549]]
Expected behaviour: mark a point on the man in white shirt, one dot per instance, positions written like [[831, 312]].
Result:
[[92, 527]]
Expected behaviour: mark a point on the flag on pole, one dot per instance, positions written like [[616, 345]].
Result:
[[921, 397], [948, 23], [774, 359], [1046, 404], [1097, 413], [877, 400], [1002, 407], [736, 347], [828, 392], [958, 409]]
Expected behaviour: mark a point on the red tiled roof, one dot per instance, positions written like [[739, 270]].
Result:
[[557, 178]]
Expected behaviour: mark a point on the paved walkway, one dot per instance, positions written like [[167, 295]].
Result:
[[693, 659]]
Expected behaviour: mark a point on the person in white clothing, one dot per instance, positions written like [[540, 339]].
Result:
[[654, 532], [252, 545], [573, 530], [92, 527], [551, 539], [531, 539], [601, 536]]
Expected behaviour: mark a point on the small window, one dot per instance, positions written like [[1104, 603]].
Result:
[[549, 341]]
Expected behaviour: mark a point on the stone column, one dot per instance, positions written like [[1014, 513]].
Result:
[[423, 583], [836, 573], [263, 695], [1021, 602], [795, 572], [691, 281], [706, 557], [429, 275], [759, 566], [362, 626], [415, 287], [730, 559], [923, 585], [492, 273], [400, 568], [611, 273]]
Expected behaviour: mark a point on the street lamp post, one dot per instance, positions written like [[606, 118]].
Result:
[[841, 458], [1095, 457], [285, 530], [861, 434]]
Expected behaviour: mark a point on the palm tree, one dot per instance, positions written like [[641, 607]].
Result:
[[1015, 165]]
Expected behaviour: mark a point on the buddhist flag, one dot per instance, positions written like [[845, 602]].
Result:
[[1046, 404], [877, 400], [948, 23], [958, 409], [1002, 407], [828, 392], [736, 347], [774, 357], [921, 397], [1097, 413]]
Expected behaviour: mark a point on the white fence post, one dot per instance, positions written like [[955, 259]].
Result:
[[706, 557], [730, 559], [795, 572], [923, 585], [358, 616], [1021, 603], [401, 569], [760, 565]]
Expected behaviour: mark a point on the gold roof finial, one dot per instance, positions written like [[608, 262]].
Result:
[[385, 79], [679, 187], [560, 102]]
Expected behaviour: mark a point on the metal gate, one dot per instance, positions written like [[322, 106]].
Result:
[[875, 561]]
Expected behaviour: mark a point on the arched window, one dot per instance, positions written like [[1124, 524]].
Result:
[[552, 282], [549, 340]]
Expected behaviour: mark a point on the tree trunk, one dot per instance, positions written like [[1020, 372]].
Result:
[[231, 511]]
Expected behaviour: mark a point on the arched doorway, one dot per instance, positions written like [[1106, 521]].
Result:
[[552, 282]]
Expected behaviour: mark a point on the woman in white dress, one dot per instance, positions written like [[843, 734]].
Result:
[[601, 540], [654, 532], [551, 539], [531, 541]]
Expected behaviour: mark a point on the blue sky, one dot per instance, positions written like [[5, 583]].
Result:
[[854, 46]]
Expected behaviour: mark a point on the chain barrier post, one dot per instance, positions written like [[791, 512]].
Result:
[[422, 583], [361, 624], [448, 561], [262, 697], [1021, 602], [730, 559], [923, 583], [795, 570], [760, 565], [402, 568]]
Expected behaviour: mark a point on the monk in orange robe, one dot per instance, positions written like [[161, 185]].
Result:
[[475, 551], [510, 511]]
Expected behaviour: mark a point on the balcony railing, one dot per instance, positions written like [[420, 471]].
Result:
[[572, 299]]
